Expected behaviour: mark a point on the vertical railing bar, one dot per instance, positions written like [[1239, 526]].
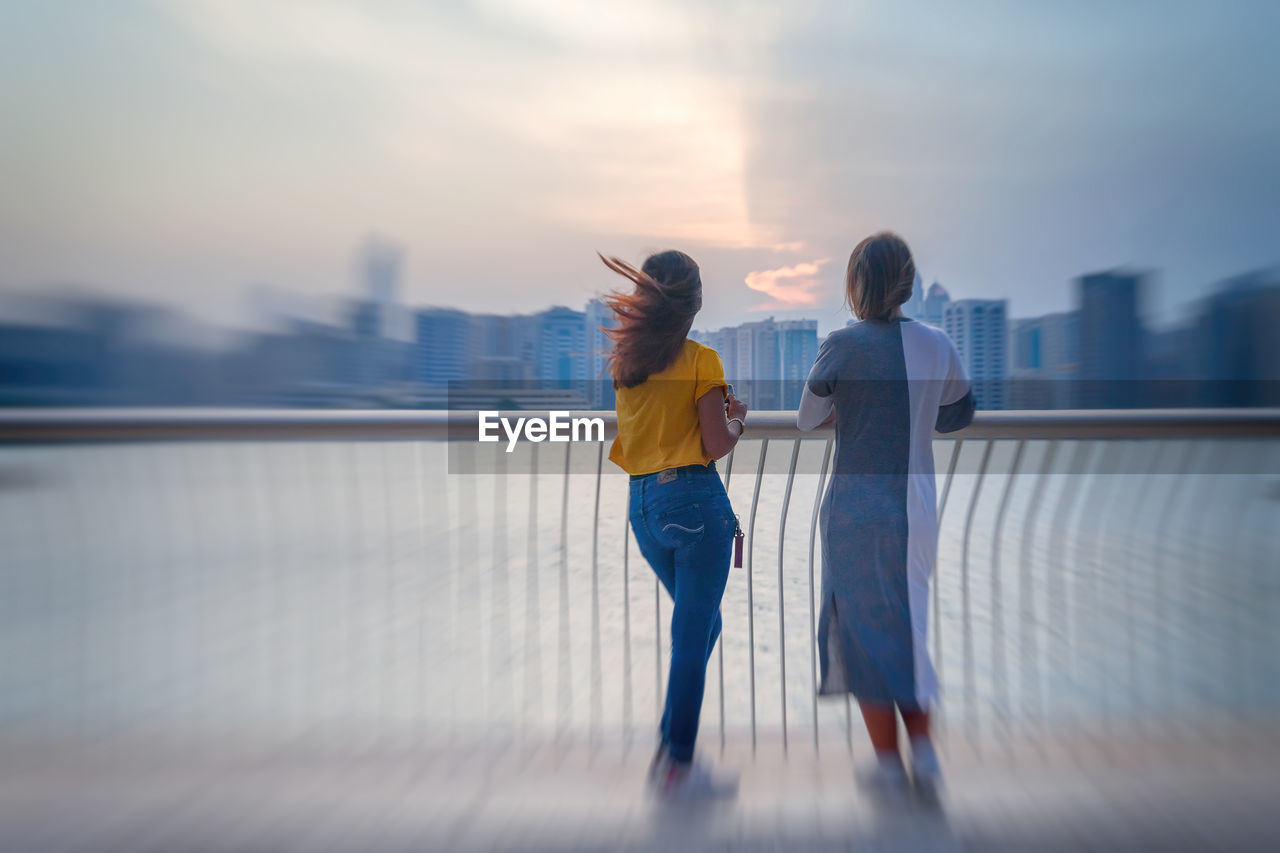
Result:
[[1092, 498], [657, 646], [259, 638], [626, 620], [751, 629], [1055, 568], [116, 513], [215, 517], [728, 472], [389, 560], [1235, 649], [1136, 716], [958, 445], [452, 553], [813, 623], [997, 603], [597, 675], [564, 672], [966, 611], [308, 618], [1191, 450], [1088, 576], [1054, 547], [468, 564], [532, 609], [951, 471], [278, 553], [193, 520], [720, 656], [165, 521], [1026, 595], [283, 555], [420, 687], [355, 536], [1198, 630], [39, 598], [782, 618], [87, 558], [1262, 563], [499, 593]]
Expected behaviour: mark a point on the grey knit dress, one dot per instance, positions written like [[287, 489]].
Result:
[[891, 385]]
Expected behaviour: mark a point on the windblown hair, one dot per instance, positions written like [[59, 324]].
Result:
[[880, 276], [654, 319]]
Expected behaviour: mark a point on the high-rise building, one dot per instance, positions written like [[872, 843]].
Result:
[[599, 316], [379, 265], [505, 337], [766, 360], [1044, 356], [978, 328], [1111, 340], [759, 364], [1173, 366], [797, 349], [914, 307], [935, 305], [562, 346], [1239, 331], [725, 342], [384, 356], [380, 360], [442, 347]]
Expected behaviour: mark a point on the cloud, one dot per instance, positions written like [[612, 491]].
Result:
[[787, 287], [590, 121]]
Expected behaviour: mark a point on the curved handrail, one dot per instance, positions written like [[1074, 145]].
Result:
[[147, 424]]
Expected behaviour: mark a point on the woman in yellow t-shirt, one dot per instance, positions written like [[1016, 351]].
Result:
[[674, 420]]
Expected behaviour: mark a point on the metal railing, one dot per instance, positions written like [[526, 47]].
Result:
[[1113, 488]]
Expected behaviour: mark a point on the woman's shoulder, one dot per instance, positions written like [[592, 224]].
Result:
[[850, 336], [687, 361], [928, 332], [696, 352], [927, 328]]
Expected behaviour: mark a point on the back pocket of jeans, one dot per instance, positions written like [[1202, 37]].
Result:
[[683, 524]]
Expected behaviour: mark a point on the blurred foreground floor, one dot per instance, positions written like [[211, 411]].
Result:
[[1197, 790]]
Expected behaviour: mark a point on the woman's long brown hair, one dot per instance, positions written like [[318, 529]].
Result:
[[654, 319]]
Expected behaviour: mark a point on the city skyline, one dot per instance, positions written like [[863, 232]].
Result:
[[378, 351], [190, 149]]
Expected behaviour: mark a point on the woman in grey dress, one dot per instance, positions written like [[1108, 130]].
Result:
[[887, 382]]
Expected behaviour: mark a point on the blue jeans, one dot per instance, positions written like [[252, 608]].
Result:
[[684, 527]]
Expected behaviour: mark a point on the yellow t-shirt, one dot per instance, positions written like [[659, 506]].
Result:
[[658, 419]]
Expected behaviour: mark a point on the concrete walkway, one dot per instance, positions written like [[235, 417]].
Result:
[[1175, 792]]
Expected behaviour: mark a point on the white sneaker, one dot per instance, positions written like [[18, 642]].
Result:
[[882, 776], [885, 782], [695, 780], [926, 774]]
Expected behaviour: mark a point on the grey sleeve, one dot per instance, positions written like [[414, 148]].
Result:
[[818, 398]]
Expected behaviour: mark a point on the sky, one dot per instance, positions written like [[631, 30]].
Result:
[[197, 151]]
